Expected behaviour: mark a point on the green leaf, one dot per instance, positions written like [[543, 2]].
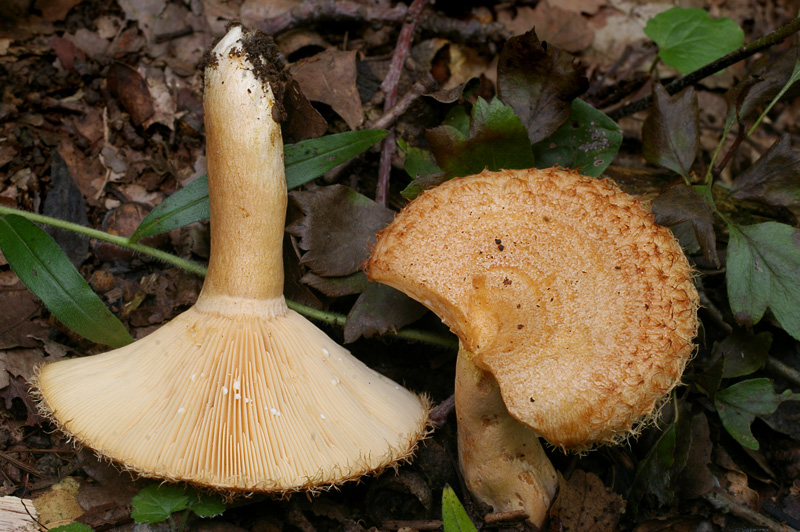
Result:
[[497, 140], [588, 142], [73, 527], [763, 261], [48, 273], [421, 166], [304, 161], [454, 517], [689, 38], [207, 505], [739, 404], [744, 353], [156, 503]]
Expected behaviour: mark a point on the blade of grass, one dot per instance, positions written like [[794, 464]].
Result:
[[47, 272]]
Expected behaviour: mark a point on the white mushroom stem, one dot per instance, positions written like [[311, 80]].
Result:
[[501, 459], [238, 393], [244, 156]]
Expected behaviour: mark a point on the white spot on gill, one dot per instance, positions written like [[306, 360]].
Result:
[[224, 390], [335, 381], [237, 385], [181, 410], [274, 412], [326, 352], [322, 416], [193, 377], [237, 395]]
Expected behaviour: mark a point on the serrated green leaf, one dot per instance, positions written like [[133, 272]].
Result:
[[304, 161], [47, 272], [497, 141], [454, 517], [588, 142], [458, 118], [207, 505], [762, 265], [418, 162], [73, 527], [688, 38], [739, 404], [156, 503]]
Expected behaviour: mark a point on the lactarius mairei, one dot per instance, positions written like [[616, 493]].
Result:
[[238, 393], [575, 315]]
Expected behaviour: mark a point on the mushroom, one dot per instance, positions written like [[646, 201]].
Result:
[[575, 315], [238, 393]]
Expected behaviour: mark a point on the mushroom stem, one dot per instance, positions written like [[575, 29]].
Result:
[[246, 180], [502, 460]]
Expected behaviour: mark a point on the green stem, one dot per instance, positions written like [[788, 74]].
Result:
[[332, 318], [169, 258]]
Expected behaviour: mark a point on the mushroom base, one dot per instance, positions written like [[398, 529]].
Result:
[[502, 460]]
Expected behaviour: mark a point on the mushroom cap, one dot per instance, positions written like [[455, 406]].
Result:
[[562, 286], [251, 400]]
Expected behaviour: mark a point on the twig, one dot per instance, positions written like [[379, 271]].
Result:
[[389, 87], [779, 368], [439, 413], [740, 137], [767, 41], [722, 501], [432, 524], [505, 517], [310, 11], [390, 117]]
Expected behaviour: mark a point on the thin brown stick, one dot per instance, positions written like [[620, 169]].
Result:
[[311, 11], [767, 41], [389, 88]]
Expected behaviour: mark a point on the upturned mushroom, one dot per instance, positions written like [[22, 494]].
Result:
[[575, 315], [238, 393]]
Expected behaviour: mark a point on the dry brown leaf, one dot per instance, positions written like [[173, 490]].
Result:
[[584, 504], [55, 10], [566, 29], [330, 78], [59, 504], [16, 327]]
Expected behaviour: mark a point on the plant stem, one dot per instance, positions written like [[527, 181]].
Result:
[[332, 318], [125, 242], [767, 41]]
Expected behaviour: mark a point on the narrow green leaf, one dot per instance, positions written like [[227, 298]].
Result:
[[588, 142], [48, 273], [304, 161], [454, 517], [156, 503], [688, 38], [739, 404], [762, 265]]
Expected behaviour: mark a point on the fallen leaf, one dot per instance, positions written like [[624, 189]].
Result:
[[128, 86], [670, 134], [567, 30], [773, 179], [65, 202], [59, 504], [682, 203], [66, 52], [696, 478], [55, 10], [378, 310], [17, 327], [539, 82], [337, 229], [330, 78], [584, 504]]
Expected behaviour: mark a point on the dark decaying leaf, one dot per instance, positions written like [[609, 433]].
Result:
[[774, 178], [337, 228], [21, 327], [302, 120], [47, 272], [743, 352], [784, 419], [336, 286], [696, 479], [497, 140], [767, 78], [378, 310], [65, 202], [584, 503], [587, 142], [539, 82], [130, 89], [670, 134], [762, 265], [682, 203], [653, 473], [455, 93], [739, 404]]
